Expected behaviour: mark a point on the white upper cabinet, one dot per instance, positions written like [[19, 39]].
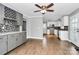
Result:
[[64, 20], [19, 18], [1, 13], [8, 13]]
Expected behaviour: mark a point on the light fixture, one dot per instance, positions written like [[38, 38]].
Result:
[[43, 11], [44, 8]]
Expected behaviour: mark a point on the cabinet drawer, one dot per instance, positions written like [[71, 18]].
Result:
[[3, 37]]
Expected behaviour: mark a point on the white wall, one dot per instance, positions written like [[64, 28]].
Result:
[[44, 28], [58, 23], [35, 27], [28, 28], [50, 23]]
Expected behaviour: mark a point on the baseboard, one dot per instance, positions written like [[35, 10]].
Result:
[[35, 38], [75, 45]]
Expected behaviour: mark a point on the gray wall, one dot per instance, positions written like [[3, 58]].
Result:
[[35, 27]]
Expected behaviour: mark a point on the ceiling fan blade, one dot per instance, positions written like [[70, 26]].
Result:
[[37, 11], [38, 6], [50, 5], [50, 10]]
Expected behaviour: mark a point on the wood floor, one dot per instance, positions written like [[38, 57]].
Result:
[[54, 47]]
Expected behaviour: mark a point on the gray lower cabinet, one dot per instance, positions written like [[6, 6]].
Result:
[[11, 41], [19, 39], [14, 40], [24, 37], [3, 44]]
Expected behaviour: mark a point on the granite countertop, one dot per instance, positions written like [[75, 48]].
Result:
[[63, 29], [60, 29], [11, 32]]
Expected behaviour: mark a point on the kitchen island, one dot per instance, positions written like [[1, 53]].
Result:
[[62, 34]]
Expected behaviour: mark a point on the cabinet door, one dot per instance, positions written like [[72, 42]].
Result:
[[3, 44], [1, 14], [24, 37], [24, 26], [19, 18], [19, 39], [11, 42], [63, 35], [65, 20]]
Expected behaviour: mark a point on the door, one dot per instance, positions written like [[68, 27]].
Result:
[[74, 29]]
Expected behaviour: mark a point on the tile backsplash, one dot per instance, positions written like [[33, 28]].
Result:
[[9, 26]]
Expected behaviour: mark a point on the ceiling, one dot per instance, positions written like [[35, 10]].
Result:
[[60, 9]]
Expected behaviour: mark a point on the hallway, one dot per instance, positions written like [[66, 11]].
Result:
[[55, 47]]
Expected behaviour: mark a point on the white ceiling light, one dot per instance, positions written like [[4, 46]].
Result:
[[43, 11]]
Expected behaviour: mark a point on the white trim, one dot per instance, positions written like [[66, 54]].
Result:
[[75, 43], [35, 38], [35, 17]]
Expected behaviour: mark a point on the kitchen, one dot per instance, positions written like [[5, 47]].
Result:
[[16, 28]]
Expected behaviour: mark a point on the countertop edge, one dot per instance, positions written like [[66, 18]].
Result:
[[11, 33]]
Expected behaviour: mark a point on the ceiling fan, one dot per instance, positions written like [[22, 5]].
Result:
[[44, 8]]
